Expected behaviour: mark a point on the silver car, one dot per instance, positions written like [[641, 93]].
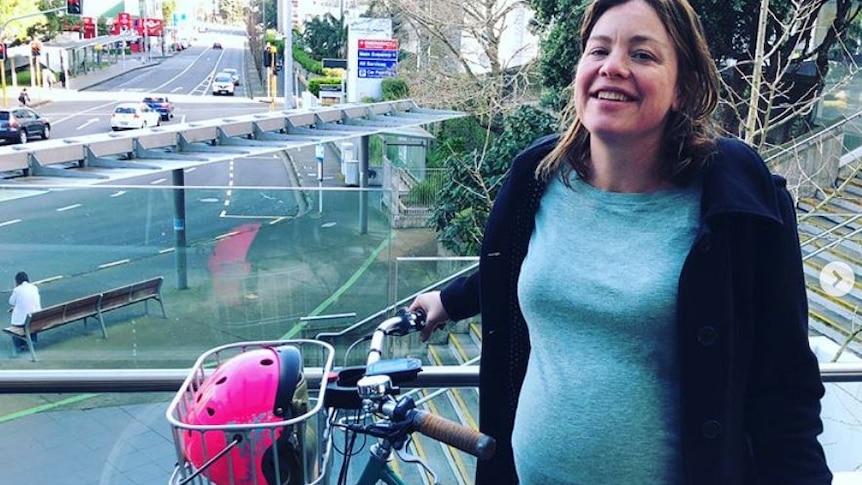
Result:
[[223, 84]]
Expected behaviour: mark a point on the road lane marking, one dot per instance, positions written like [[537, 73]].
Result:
[[68, 207], [9, 223], [87, 123], [118, 193], [48, 280], [114, 263], [154, 182]]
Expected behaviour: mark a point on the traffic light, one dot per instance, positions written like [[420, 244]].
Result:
[[2, 51], [74, 7], [267, 56]]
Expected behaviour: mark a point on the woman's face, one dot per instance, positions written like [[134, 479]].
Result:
[[625, 83]]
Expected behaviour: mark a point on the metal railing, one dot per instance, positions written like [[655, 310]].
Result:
[[33, 381]]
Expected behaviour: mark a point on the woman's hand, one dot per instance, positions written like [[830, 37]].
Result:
[[435, 315]]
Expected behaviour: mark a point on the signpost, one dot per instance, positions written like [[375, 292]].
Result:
[[372, 55], [378, 58]]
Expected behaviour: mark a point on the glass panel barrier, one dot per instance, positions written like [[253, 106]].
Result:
[[238, 263]]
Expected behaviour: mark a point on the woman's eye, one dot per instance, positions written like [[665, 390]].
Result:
[[598, 51], [643, 56]]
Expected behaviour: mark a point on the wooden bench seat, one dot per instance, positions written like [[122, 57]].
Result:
[[55, 316], [92, 306], [142, 291]]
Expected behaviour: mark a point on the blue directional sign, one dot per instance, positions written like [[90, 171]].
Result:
[[378, 58]]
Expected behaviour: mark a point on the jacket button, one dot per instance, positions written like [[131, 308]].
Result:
[[706, 336], [710, 429]]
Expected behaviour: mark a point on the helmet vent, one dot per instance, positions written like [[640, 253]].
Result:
[[266, 361], [221, 380], [210, 411]]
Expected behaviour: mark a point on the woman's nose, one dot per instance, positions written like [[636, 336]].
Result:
[[616, 64]]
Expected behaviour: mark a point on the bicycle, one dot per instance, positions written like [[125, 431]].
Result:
[[370, 391], [224, 437]]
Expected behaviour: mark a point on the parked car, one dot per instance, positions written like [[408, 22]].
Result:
[[223, 84], [234, 74], [20, 125], [217, 45], [162, 105], [129, 116]]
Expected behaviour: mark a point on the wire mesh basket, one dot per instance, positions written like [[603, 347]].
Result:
[[246, 415]]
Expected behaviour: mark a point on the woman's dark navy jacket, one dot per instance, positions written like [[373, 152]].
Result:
[[750, 387]]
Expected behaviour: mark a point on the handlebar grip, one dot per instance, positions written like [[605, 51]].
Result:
[[462, 437]]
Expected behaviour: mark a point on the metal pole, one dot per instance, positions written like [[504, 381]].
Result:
[[319, 155], [362, 150], [178, 176], [288, 55], [3, 82]]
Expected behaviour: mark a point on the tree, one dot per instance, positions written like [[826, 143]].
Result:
[[325, 37], [772, 87], [792, 45], [457, 57], [478, 161]]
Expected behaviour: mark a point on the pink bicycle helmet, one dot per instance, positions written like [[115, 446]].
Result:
[[255, 387]]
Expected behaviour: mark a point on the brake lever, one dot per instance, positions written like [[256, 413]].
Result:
[[408, 457]]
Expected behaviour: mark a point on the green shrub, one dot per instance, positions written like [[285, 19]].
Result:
[[307, 63], [395, 88], [315, 83]]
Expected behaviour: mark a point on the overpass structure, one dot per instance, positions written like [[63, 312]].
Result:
[[95, 158]]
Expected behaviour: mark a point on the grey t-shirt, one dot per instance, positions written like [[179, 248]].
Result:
[[598, 288]]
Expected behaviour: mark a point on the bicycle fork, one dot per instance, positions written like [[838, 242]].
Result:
[[378, 468]]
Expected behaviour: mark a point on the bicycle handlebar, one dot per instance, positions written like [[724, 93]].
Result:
[[462, 437], [441, 429], [401, 324]]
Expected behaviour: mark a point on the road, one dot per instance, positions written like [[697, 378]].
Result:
[[87, 240]]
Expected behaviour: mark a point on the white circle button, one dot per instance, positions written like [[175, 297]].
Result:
[[837, 279]]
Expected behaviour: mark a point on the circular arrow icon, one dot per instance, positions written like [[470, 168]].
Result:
[[837, 279]]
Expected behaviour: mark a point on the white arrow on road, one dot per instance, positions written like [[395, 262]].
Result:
[[88, 122]]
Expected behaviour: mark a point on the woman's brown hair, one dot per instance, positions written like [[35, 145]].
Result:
[[690, 132]]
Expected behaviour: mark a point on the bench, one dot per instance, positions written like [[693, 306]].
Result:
[[56, 316], [92, 306], [142, 291]]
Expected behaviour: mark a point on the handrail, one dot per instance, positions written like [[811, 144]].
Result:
[[169, 380], [829, 231], [389, 309], [783, 150]]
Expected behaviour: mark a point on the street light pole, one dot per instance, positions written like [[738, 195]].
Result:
[[288, 55]]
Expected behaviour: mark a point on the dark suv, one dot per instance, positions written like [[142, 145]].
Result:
[[162, 105], [19, 125]]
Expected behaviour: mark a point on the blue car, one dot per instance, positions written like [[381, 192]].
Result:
[[20, 125], [162, 105]]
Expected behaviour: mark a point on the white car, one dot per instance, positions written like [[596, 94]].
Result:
[[223, 84], [234, 74], [130, 116]]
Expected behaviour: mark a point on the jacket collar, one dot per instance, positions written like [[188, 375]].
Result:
[[737, 181]]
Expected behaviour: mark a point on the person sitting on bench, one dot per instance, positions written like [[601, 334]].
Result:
[[25, 300]]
